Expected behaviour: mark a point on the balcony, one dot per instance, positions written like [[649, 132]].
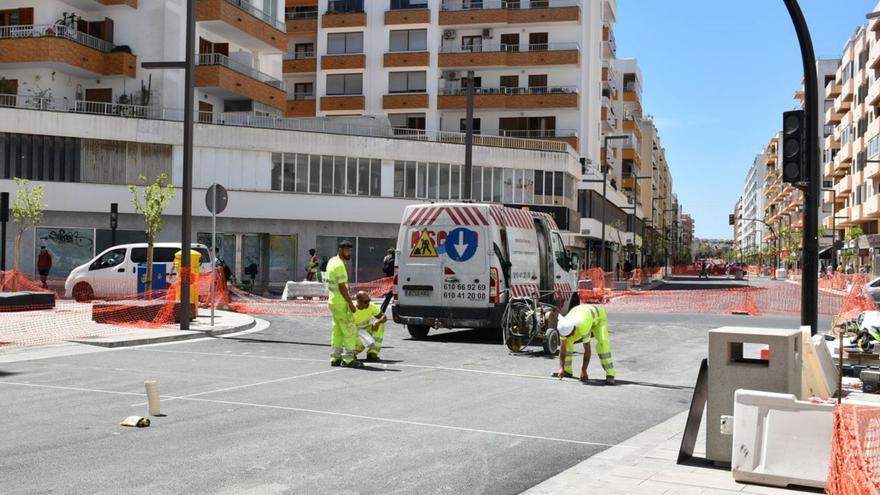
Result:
[[302, 105], [832, 141], [829, 197], [300, 63], [872, 170], [131, 3], [339, 16], [510, 98], [508, 55], [563, 135], [632, 126], [847, 90], [832, 89], [405, 101], [609, 43], [41, 44], [487, 12], [301, 23], [348, 103], [843, 186], [845, 155], [631, 183], [833, 116], [874, 56], [873, 97], [347, 61], [226, 78], [871, 207], [242, 23], [843, 103], [856, 214], [407, 59], [412, 15]]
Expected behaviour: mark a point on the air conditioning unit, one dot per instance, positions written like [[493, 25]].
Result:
[[450, 75], [449, 34], [487, 33]]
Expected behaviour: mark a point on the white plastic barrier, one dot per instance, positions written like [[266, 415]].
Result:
[[304, 290], [780, 441]]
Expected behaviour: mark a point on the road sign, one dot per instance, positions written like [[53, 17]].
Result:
[[461, 244], [425, 248], [222, 199]]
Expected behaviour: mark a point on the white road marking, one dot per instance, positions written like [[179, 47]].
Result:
[[327, 413], [239, 387]]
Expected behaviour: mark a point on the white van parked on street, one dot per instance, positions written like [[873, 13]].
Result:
[[113, 273], [458, 265]]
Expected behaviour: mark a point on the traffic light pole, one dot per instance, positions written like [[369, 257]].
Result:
[[809, 280]]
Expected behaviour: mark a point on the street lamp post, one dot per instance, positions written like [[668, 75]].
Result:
[[604, 181]]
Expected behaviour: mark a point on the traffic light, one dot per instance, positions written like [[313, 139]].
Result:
[[794, 147], [114, 214], [731, 219]]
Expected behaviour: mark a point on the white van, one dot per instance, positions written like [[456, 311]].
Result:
[[458, 264], [113, 273]]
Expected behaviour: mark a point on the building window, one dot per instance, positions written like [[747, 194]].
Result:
[[304, 91], [407, 82], [408, 40], [343, 6], [471, 43], [345, 84], [341, 43], [407, 120], [873, 146], [52, 158], [408, 4]]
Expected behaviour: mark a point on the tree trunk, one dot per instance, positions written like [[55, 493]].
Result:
[[16, 260], [148, 283]]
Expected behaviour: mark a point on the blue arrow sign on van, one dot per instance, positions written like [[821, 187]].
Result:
[[461, 244]]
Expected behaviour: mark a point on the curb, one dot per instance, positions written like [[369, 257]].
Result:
[[178, 337]]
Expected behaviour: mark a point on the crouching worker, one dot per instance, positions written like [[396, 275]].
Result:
[[369, 318], [581, 324]]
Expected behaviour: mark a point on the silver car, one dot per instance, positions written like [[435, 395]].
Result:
[[873, 288]]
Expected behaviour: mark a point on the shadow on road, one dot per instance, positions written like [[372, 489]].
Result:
[[271, 341], [7, 373], [470, 336]]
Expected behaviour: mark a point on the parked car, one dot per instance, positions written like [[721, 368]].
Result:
[[873, 289], [113, 273]]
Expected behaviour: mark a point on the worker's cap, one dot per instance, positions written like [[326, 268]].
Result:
[[345, 244], [565, 326]]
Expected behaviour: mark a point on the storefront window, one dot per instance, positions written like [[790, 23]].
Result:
[[104, 238], [370, 253], [251, 257], [69, 248], [226, 243], [282, 253]]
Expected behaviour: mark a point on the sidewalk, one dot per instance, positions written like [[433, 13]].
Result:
[[66, 328], [645, 465]]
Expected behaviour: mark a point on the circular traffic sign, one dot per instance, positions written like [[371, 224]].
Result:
[[461, 244], [222, 199]]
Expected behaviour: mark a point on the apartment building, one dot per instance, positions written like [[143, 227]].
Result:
[[752, 208], [852, 147], [688, 241]]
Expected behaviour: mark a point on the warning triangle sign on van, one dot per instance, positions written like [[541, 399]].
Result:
[[424, 248]]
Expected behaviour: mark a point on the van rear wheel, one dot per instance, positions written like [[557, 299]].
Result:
[[82, 292], [418, 332]]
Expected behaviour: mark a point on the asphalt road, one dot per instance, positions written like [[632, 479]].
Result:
[[265, 413]]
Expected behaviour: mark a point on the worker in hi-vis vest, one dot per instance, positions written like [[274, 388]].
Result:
[[369, 318], [581, 324], [344, 338]]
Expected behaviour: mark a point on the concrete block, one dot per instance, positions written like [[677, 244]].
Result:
[[735, 362], [769, 428], [304, 290]]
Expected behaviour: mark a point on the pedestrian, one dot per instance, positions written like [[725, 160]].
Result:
[[44, 264], [322, 269], [388, 270], [581, 324], [219, 263], [370, 319], [703, 272], [312, 266], [343, 340]]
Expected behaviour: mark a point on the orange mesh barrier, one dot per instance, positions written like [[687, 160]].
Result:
[[855, 451]]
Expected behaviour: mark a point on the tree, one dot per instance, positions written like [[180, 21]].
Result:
[[151, 203], [27, 212]]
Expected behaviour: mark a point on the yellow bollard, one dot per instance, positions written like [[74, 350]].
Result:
[[194, 264]]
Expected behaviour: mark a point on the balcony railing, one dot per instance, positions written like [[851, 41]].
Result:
[[344, 6], [507, 47], [506, 4], [56, 31], [408, 4], [500, 139], [248, 7], [303, 96], [510, 91], [292, 15], [220, 59], [299, 56]]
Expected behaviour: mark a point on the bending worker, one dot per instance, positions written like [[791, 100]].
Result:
[[582, 323], [344, 338], [369, 318]]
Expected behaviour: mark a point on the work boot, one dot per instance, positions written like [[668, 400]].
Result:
[[335, 362], [609, 380], [565, 374], [373, 358], [353, 364]]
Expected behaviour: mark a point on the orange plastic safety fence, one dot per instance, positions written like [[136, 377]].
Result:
[[855, 451]]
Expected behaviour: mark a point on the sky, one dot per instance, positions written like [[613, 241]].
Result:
[[717, 76]]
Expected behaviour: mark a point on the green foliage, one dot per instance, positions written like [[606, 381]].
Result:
[[151, 203], [854, 233], [27, 212]]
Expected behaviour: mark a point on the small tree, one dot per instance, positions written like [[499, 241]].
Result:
[[151, 203], [27, 212]]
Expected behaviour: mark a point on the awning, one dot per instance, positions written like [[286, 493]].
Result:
[[825, 254]]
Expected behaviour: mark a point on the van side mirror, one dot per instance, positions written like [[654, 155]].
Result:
[[574, 261]]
